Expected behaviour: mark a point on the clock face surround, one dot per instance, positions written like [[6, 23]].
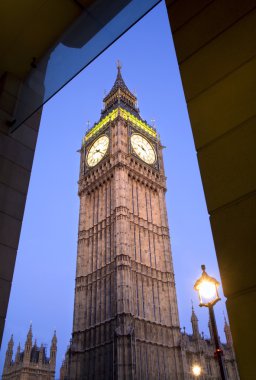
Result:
[[97, 151], [143, 149]]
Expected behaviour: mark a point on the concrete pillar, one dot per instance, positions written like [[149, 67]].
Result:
[[215, 46]]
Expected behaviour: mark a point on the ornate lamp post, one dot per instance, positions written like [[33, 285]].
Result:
[[207, 288]]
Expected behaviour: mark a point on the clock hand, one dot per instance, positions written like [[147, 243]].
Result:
[[142, 147]]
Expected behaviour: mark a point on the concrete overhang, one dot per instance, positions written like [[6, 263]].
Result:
[[29, 28]]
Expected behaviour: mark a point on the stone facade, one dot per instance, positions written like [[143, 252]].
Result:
[[196, 349], [126, 323], [32, 363]]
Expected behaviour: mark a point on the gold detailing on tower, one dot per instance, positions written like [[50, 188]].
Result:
[[126, 116]]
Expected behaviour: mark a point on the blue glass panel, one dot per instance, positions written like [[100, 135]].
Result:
[[95, 30]]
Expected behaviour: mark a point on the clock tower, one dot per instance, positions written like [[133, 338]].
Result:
[[126, 323]]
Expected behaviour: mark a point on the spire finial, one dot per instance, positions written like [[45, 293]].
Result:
[[11, 342], [194, 317], [54, 338], [118, 65], [29, 334]]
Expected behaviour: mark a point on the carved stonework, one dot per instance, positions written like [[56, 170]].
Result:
[[32, 363], [125, 314]]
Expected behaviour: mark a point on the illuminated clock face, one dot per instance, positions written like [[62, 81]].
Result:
[[97, 151], [143, 148]]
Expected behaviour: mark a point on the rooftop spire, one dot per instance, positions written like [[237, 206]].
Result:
[[8, 355], [119, 83], [120, 94], [227, 332], [11, 343], [194, 322], [193, 315], [54, 339], [30, 335], [17, 356]]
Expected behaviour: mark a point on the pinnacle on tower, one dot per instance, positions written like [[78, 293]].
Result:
[[8, 355], [28, 344], [119, 84], [17, 356], [120, 95], [227, 332], [54, 335], [10, 343], [53, 350], [30, 358], [194, 322], [54, 339], [29, 334], [41, 354]]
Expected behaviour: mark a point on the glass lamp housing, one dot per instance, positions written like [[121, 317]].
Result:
[[207, 288]]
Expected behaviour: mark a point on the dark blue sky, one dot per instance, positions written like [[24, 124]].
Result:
[[43, 284]]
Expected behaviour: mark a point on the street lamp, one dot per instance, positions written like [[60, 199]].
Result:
[[207, 288], [196, 370]]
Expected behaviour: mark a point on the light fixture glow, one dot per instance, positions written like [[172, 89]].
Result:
[[126, 116], [196, 369], [207, 289]]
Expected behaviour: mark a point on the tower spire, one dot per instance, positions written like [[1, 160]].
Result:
[[28, 345], [33, 357], [54, 339], [17, 356], [194, 322], [10, 343], [53, 350], [120, 95], [119, 66], [41, 354], [9, 353], [29, 334], [227, 332]]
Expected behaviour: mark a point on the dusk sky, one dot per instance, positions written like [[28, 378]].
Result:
[[44, 277]]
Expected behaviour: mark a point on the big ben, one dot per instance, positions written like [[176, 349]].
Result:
[[126, 323]]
